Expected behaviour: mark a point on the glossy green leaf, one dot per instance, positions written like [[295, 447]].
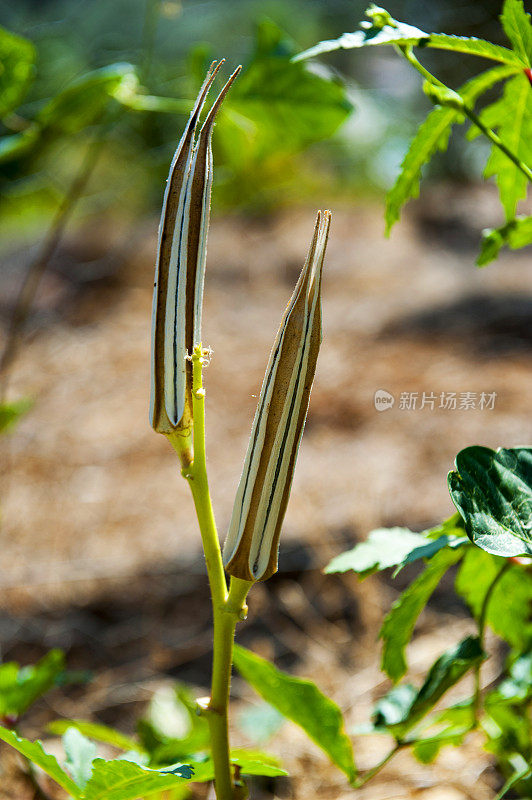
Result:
[[399, 623], [80, 753], [123, 780], [100, 733], [433, 135], [510, 606], [20, 687], [17, 58], [492, 490], [301, 702], [515, 234], [392, 547], [517, 27], [35, 753], [10, 413], [511, 117]]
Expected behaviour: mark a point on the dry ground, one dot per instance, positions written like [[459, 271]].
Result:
[[99, 549]]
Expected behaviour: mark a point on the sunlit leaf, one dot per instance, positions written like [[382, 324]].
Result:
[[399, 623], [392, 32], [301, 702], [517, 27], [515, 234], [34, 751], [511, 117], [17, 57], [492, 490], [392, 547], [433, 135]]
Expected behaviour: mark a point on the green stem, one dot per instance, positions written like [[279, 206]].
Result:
[[377, 768], [228, 606], [481, 624], [408, 53]]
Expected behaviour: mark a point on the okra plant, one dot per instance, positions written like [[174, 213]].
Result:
[[488, 540]]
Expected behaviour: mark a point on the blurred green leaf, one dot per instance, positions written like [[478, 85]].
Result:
[[20, 686], [399, 623], [259, 723], [517, 27], [123, 780], [492, 490], [515, 234], [279, 106], [393, 547], [35, 753], [509, 610], [394, 706], [100, 733], [80, 753], [84, 102], [433, 135], [17, 58], [517, 687], [301, 702], [454, 724], [10, 413]]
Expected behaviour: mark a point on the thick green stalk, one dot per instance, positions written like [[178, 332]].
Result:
[[228, 606]]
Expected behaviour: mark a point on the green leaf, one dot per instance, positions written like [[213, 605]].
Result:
[[511, 117], [475, 47], [279, 106], [492, 490], [433, 135], [123, 780], [10, 413], [391, 547], [84, 102], [254, 762], [301, 702], [80, 753], [21, 686], [517, 27], [35, 753], [454, 724], [17, 57], [516, 233], [508, 612], [399, 623], [100, 733], [511, 782]]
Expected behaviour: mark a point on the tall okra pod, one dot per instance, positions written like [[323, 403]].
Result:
[[179, 273], [251, 547]]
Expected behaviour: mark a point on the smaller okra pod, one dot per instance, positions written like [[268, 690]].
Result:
[[252, 543]]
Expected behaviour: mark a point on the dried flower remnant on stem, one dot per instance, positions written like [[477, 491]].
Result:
[[179, 274], [251, 547]]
